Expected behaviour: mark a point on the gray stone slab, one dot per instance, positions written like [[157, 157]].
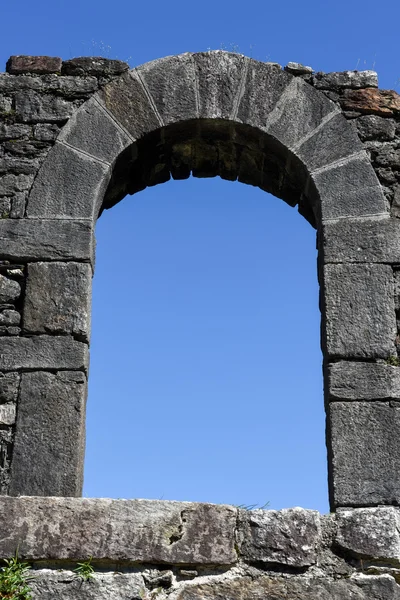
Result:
[[373, 127], [172, 85], [66, 585], [58, 298], [46, 239], [126, 99], [92, 130], [346, 79], [264, 85], [69, 184], [33, 107], [362, 240], [300, 110], [42, 352], [268, 587], [8, 413], [364, 453], [51, 428], [10, 290], [362, 381], [9, 385], [359, 315], [350, 189], [289, 537], [93, 65], [219, 75], [335, 140], [370, 533], [134, 531]]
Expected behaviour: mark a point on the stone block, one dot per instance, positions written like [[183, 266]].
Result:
[[373, 127], [46, 239], [361, 241], [385, 103], [7, 414], [10, 290], [9, 184], [362, 381], [219, 75], [171, 83], [33, 107], [17, 165], [268, 587], [14, 131], [55, 584], [370, 533], [127, 100], [299, 111], [349, 189], [298, 69], [335, 140], [346, 79], [70, 184], [50, 427], [263, 86], [364, 453], [46, 132], [16, 65], [93, 65], [289, 537], [58, 298], [119, 531], [92, 130], [359, 319], [9, 385], [42, 352]]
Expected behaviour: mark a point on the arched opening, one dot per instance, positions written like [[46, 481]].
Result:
[[206, 370]]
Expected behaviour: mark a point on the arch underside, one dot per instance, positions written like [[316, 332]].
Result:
[[223, 114]]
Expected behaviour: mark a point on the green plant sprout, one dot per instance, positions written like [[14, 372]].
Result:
[[14, 580], [84, 570]]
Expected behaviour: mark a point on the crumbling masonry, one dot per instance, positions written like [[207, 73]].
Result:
[[75, 138]]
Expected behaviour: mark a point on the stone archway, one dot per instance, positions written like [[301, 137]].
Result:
[[207, 114]]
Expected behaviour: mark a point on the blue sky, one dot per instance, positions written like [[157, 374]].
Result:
[[205, 379]]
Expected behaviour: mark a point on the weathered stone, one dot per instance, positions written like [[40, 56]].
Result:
[[31, 107], [5, 105], [370, 533], [363, 381], [46, 239], [94, 65], [70, 184], [14, 131], [70, 87], [9, 385], [298, 69], [361, 587], [364, 453], [290, 536], [66, 585], [126, 99], [388, 156], [172, 86], [58, 298], [26, 148], [47, 400], [9, 330], [18, 203], [385, 103], [9, 317], [218, 75], [7, 414], [17, 165], [130, 531], [46, 132], [10, 290], [94, 131], [373, 127], [359, 311], [346, 79], [264, 85], [42, 352], [17, 65], [15, 183], [361, 241], [348, 189]]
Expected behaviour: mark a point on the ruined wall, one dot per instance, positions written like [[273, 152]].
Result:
[[75, 138]]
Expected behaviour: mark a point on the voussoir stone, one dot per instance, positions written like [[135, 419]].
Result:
[[137, 531], [364, 453], [57, 298], [50, 427], [42, 352], [370, 532], [362, 381], [289, 536], [33, 64], [359, 311]]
